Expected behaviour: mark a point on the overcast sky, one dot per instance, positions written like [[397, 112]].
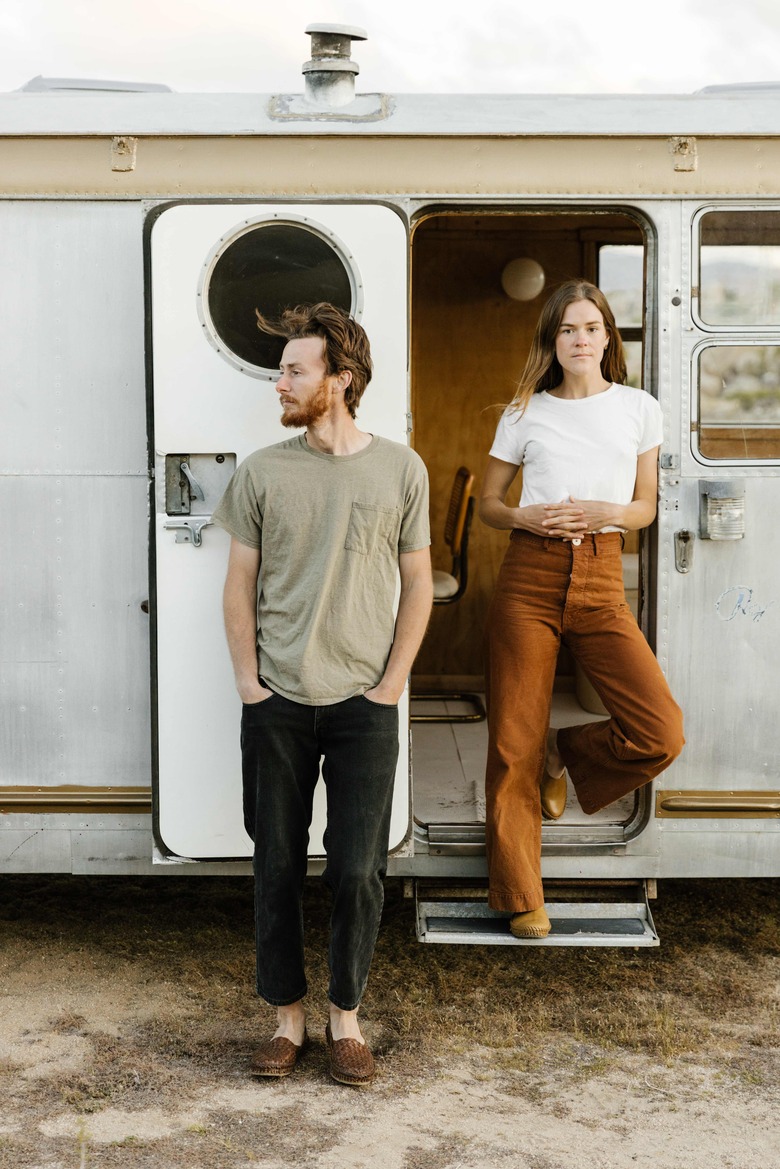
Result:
[[439, 46]]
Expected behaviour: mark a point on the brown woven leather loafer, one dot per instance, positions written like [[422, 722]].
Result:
[[351, 1062], [277, 1057]]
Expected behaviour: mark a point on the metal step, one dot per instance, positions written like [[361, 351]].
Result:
[[468, 838], [574, 923]]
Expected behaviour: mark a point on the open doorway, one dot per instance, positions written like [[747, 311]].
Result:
[[469, 344]]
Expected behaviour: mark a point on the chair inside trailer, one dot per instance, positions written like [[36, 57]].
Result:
[[469, 344]]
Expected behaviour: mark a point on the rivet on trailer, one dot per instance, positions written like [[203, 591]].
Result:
[[140, 230]]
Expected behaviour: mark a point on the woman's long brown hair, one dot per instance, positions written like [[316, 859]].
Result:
[[542, 369]]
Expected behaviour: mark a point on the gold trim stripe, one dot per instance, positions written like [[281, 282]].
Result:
[[77, 799], [718, 804]]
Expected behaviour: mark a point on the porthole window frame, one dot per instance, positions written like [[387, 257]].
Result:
[[230, 237]]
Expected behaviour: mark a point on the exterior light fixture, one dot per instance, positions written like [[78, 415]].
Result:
[[722, 510]]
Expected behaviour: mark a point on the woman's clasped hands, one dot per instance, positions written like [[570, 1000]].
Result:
[[569, 519]]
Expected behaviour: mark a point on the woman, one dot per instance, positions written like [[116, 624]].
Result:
[[588, 446]]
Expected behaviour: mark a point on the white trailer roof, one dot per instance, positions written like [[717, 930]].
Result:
[[739, 113]]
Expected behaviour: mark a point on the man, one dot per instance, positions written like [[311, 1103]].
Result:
[[321, 525]]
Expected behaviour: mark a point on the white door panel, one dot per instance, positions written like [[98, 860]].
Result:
[[204, 408]]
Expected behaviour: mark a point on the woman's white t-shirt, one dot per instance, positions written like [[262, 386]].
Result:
[[586, 448]]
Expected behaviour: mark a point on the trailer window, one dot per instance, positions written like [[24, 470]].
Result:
[[269, 266], [739, 401], [621, 278], [739, 268]]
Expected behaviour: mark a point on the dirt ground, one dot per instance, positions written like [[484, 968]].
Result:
[[127, 1018]]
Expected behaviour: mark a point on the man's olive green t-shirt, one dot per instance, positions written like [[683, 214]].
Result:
[[330, 529]]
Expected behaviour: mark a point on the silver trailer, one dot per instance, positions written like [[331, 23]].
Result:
[[139, 231]]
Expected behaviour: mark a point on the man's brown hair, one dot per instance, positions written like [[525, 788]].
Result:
[[346, 343]]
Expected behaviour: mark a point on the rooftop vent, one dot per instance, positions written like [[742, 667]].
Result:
[[329, 93], [330, 74], [51, 84]]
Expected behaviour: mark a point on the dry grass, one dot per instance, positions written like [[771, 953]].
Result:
[[710, 992], [68, 1023], [119, 1070], [716, 970]]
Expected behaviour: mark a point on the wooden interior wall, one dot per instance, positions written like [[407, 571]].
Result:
[[469, 343], [739, 442]]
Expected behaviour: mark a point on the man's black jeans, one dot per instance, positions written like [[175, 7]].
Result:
[[281, 744]]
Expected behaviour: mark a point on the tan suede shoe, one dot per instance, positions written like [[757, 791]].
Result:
[[552, 792], [277, 1057], [351, 1062], [533, 924]]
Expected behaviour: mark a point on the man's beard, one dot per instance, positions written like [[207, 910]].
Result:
[[295, 416]]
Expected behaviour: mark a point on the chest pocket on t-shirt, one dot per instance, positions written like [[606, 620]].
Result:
[[373, 529]]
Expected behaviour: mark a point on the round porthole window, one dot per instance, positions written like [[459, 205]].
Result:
[[271, 264]]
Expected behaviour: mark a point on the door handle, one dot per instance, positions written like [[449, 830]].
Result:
[[683, 550], [196, 491]]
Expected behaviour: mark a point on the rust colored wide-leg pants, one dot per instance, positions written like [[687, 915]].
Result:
[[549, 591]]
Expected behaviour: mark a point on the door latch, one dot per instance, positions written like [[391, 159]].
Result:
[[683, 550], [196, 491], [189, 531], [195, 482]]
